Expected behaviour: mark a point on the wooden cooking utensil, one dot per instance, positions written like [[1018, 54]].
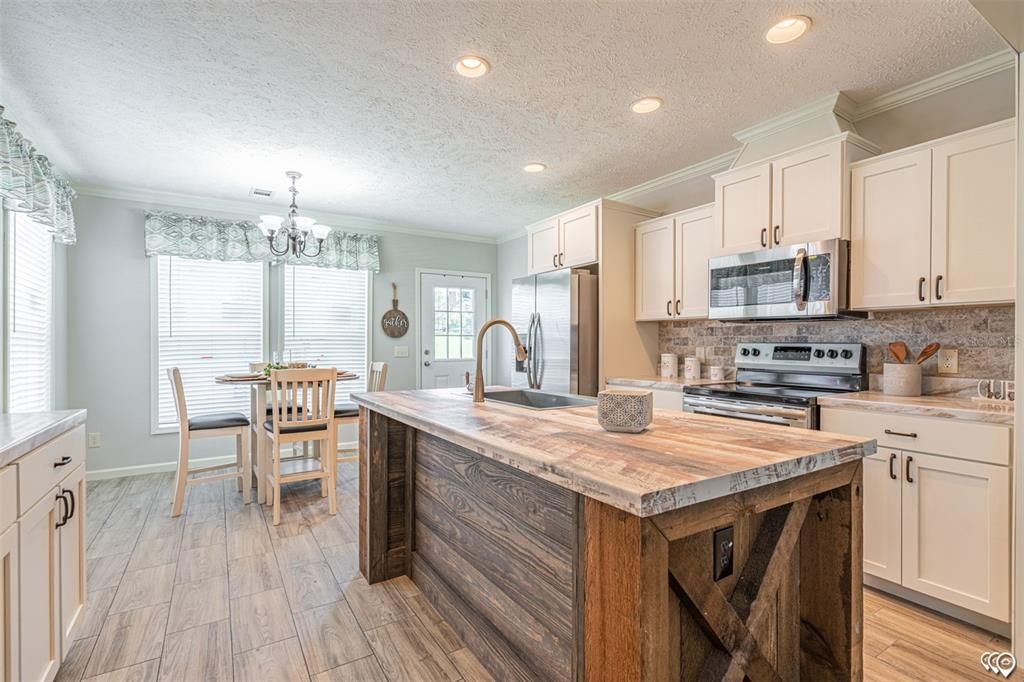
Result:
[[926, 352], [899, 351]]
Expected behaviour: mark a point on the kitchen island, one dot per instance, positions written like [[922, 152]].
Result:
[[703, 548]]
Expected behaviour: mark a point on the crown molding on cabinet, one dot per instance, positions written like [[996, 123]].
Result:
[[835, 104], [250, 209], [702, 168], [971, 71]]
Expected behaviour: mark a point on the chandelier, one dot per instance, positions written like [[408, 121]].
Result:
[[295, 228]]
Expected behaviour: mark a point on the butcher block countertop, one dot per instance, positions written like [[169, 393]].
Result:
[[682, 459], [942, 406], [23, 433]]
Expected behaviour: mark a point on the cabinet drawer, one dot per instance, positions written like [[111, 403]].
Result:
[[37, 474], [965, 440], [8, 497]]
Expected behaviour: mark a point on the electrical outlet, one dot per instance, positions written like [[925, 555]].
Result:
[[723, 553], [949, 362], [94, 439], [401, 351]]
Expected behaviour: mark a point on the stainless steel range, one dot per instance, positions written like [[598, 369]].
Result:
[[779, 383]]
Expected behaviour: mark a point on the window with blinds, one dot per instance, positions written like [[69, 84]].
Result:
[[30, 316], [326, 321], [210, 321]]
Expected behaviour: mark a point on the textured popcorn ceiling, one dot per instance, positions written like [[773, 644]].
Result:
[[211, 98]]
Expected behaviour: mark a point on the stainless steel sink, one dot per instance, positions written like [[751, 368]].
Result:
[[537, 400]]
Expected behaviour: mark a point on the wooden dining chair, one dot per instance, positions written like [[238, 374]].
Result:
[[215, 425], [348, 413], [302, 410]]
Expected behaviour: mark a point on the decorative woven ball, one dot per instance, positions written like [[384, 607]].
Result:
[[624, 410]]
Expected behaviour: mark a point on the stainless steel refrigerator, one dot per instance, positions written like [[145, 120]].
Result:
[[555, 315]]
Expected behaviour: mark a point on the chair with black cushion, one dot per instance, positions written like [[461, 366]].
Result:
[[348, 413], [220, 424], [302, 410]]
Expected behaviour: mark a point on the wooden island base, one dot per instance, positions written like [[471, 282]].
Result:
[[542, 582]]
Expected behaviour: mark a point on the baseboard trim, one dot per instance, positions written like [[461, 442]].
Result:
[[161, 467]]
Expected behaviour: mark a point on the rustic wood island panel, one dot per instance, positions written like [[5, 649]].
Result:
[[543, 582]]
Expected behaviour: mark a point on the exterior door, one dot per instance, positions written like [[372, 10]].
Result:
[[39, 571], [956, 537], [543, 245], [579, 237], [973, 217], [452, 309], [890, 222], [9, 621], [743, 209], [655, 266], [72, 557], [882, 514], [695, 242], [807, 195]]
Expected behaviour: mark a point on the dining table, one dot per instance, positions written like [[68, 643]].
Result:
[[259, 387]]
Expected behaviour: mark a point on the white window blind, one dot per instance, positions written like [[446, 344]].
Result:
[[326, 318], [30, 316], [210, 321]]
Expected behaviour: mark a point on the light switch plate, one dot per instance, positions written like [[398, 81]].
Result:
[[949, 361], [401, 351], [94, 439]]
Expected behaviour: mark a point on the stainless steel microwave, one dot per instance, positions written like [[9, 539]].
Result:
[[800, 281]]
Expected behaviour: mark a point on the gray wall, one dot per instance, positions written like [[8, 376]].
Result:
[[511, 264], [108, 355]]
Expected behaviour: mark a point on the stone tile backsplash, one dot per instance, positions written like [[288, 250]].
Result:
[[983, 336]]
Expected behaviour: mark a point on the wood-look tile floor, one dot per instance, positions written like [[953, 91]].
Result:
[[220, 594]]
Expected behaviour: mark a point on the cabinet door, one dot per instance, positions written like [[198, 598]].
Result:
[[956, 532], [579, 237], [39, 569], [890, 221], [807, 194], [72, 558], [9, 613], [542, 243], [743, 209], [695, 243], [882, 515], [655, 263], [973, 219]]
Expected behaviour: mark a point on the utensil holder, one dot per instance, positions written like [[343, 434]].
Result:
[[625, 411], [902, 380]]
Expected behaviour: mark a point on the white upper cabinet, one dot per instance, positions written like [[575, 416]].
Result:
[[934, 224], [578, 231], [543, 246], [672, 265], [743, 208], [655, 264], [973, 235]]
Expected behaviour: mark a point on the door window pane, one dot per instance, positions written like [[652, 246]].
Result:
[[453, 323]]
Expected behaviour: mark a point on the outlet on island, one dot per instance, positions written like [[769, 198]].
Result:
[[723, 553]]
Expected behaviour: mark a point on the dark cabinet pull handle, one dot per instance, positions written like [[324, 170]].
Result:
[[71, 514], [920, 288], [909, 460], [892, 470], [764, 236], [775, 233], [889, 432], [677, 307], [561, 259], [668, 308], [64, 513], [938, 281], [64, 461], [554, 262]]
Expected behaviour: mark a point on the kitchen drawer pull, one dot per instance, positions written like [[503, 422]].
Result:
[[890, 432], [764, 236], [892, 471], [775, 233], [909, 460], [677, 308], [64, 461], [938, 281], [920, 288]]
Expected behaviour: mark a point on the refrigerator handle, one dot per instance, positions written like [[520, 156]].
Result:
[[529, 351], [534, 352]]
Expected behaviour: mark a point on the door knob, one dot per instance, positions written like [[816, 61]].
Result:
[[426, 363]]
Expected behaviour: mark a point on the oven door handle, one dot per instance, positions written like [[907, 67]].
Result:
[[800, 279], [747, 408], [749, 416]]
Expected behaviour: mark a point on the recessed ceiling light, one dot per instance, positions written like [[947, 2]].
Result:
[[646, 105], [788, 29], [534, 167], [472, 66]]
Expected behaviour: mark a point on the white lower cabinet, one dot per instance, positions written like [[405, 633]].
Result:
[[72, 557], [9, 611], [937, 524], [39, 550]]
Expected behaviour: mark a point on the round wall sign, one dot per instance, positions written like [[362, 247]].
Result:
[[395, 323]]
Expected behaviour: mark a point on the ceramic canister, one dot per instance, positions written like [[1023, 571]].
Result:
[[669, 365], [691, 368], [625, 410]]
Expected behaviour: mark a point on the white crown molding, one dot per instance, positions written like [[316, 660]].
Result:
[[971, 71], [249, 209], [706, 167], [833, 104]]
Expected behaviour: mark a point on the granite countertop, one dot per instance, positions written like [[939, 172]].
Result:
[[22, 433], [944, 406], [681, 459], [662, 383]]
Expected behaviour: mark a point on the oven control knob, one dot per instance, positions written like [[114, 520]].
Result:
[[744, 351], [847, 354], [755, 352], [833, 354], [819, 353]]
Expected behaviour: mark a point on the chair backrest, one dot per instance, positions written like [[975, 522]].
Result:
[[377, 376], [302, 397], [178, 391]]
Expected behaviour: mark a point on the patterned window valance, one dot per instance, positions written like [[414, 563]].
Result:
[[203, 238], [29, 184]]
